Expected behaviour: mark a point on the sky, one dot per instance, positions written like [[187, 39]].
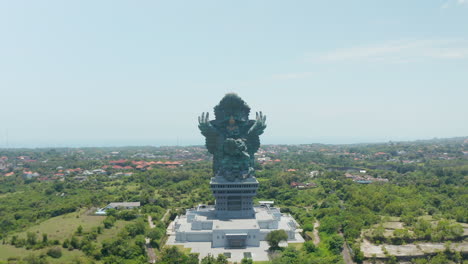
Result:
[[116, 73]]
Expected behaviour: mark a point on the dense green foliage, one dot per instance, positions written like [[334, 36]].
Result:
[[426, 191]]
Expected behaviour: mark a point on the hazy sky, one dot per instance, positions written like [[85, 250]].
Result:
[[95, 73]]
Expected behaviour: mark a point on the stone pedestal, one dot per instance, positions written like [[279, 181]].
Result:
[[234, 199]]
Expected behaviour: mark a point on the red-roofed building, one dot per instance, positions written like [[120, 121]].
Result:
[[77, 170], [294, 184]]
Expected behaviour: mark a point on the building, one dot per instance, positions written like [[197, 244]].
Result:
[[234, 226], [124, 205], [118, 206], [201, 225]]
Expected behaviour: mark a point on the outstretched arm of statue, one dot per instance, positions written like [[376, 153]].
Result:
[[204, 124], [260, 124]]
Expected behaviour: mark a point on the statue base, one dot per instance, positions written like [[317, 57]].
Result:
[[205, 233], [234, 199]]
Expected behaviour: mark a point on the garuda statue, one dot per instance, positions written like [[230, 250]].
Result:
[[232, 138]]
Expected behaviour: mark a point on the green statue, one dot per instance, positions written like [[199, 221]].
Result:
[[232, 138]]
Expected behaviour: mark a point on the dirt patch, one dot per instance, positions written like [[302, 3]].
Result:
[[419, 249]]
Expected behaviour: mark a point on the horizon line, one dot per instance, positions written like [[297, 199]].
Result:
[[116, 145]]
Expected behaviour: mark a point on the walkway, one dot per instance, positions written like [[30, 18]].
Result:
[[346, 254], [149, 248], [316, 237], [165, 214]]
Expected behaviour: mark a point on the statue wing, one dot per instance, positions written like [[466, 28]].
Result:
[[211, 140], [253, 144], [208, 129]]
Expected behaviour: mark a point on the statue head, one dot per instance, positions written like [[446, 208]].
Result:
[[232, 109]]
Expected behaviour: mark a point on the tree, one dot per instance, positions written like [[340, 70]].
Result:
[[246, 261], [127, 215], [400, 236], [33, 259], [275, 237], [192, 258], [66, 243], [336, 244], [155, 234], [209, 259], [74, 243], [291, 256], [109, 221], [221, 259], [137, 228], [13, 240], [310, 247], [79, 230], [31, 238], [378, 234], [172, 255], [45, 239], [111, 212], [54, 252], [308, 227]]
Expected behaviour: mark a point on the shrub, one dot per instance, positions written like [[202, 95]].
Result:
[[55, 252]]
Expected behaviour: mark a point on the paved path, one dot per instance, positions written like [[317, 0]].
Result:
[[165, 214], [346, 254], [150, 222], [149, 249], [315, 232]]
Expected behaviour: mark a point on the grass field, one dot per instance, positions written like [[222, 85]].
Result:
[[59, 228], [111, 232], [69, 257], [183, 249], [64, 226], [297, 246], [8, 251]]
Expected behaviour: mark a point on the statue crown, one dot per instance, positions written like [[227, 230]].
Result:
[[232, 105]]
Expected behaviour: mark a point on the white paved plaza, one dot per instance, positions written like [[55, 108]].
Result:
[[236, 255]]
